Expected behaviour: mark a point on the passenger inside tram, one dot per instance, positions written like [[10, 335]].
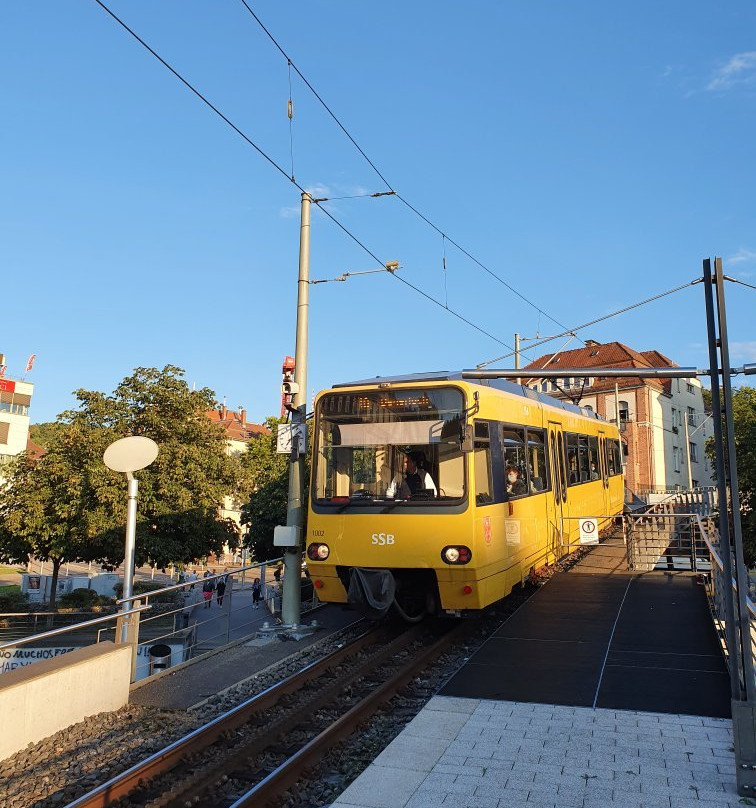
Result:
[[515, 486]]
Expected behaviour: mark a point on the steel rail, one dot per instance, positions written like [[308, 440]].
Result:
[[170, 756], [276, 731], [288, 773]]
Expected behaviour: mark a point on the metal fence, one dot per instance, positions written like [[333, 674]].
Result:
[[174, 624], [686, 523]]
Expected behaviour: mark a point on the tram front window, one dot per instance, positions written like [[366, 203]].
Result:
[[402, 446]]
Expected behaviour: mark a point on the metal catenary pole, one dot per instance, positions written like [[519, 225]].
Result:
[[741, 573], [292, 595], [724, 524]]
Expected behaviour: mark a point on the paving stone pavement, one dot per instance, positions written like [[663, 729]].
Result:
[[468, 753]]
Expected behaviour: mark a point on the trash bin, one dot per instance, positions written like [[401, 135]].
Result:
[[160, 658]]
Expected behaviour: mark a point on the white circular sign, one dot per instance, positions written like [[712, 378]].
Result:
[[130, 454], [589, 531]]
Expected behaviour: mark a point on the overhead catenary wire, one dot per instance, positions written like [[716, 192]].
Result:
[[598, 320], [387, 183], [283, 172], [742, 283]]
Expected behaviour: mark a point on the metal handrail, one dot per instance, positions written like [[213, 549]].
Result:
[[185, 584], [66, 629]]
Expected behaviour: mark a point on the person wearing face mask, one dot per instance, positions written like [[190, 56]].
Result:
[[515, 486], [594, 472]]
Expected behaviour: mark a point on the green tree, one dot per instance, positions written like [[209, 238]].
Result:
[[43, 434], [67, 506], [268, 479], [744, 422]]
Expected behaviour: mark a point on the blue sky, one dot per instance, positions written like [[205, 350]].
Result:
[[589, 154]]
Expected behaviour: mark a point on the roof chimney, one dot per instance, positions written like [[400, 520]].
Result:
[[243, 416]]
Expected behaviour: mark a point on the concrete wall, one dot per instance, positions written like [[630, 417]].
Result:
[[38, 700]]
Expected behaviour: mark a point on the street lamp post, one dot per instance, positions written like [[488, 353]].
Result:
[[129, 455]]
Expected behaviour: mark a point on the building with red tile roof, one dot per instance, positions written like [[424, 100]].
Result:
[[239, 432], [662, 421]]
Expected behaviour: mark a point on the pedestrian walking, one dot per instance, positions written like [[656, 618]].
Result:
[[192, 579], [277, 573], [208, 587], [256, 592], [221, 589]]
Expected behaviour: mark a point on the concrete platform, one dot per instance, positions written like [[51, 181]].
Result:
[[190, 684], [472, 753]]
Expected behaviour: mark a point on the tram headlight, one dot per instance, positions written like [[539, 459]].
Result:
[[456, 554], [318, 552]]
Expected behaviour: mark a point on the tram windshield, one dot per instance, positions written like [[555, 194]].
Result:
[[402, 446]]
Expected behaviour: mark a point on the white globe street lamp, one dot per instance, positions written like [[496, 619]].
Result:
[[129, 455]]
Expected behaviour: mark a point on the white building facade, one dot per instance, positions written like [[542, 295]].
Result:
[[15, 400]]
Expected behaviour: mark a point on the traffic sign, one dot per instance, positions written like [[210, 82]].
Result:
[[589, 531]]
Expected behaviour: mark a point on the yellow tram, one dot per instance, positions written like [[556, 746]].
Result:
[[494, 477]]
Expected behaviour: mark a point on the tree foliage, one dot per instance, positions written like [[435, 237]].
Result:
[[744, 422], [68, 506], [43, 434], [268, 477]]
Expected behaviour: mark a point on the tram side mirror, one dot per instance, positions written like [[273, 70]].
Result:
[[468, 438]]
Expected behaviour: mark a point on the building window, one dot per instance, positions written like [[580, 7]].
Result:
[[693, 452], [676, 458], [624, 411], [691, 416], [4, 429], [690, 388], [674, 419]]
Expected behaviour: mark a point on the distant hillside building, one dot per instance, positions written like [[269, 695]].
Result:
[[662, 421], [15, 400], [239, 433]]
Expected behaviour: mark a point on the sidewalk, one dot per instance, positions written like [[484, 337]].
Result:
[[494, 754]]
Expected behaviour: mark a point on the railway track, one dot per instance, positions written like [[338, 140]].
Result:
[[254, 753]]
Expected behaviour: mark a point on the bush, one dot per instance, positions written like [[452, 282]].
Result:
[[79, 599], [11, 599]]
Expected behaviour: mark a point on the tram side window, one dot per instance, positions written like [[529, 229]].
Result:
[[537, 467], [615, 458], [573, 474], [593, 458], [610, 457], [513, 449], [583, 465], [482, 463]]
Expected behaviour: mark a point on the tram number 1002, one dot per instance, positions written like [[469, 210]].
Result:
[[382, 538]]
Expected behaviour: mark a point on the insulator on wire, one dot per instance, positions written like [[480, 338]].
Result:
[[291, 109]]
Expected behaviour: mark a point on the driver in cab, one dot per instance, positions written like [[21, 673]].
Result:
[[416, 479]]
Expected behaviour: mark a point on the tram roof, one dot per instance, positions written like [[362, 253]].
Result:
[[497, 384]]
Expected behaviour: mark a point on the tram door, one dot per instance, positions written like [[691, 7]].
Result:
[[557, 507], [604, 470]]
